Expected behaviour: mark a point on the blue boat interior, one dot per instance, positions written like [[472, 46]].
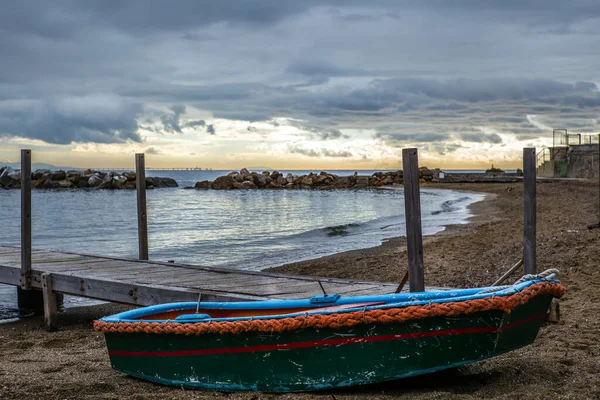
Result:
[[193, 312]]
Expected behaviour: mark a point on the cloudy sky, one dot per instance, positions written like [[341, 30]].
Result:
[[295, 84]]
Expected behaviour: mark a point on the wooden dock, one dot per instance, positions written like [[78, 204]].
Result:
[[146, 283]]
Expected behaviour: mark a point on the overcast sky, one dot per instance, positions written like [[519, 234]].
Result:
[[295, 84]]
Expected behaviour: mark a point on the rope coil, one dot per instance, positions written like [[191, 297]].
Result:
[[337, 320]]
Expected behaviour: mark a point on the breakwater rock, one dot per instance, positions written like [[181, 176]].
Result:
[[47, 179], [321, 181]]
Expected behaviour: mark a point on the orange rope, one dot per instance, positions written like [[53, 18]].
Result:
[[338, 320]]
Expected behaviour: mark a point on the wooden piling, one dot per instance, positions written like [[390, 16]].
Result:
[[529, 211], [597, 224], [412, 206], [140, 183], [50, 303], [25, 275]]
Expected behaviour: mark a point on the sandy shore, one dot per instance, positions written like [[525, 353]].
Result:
[[563, 363]]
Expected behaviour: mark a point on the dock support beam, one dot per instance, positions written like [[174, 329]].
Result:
[[25, 276], [529, 211], [50, 303], [412, 206], [140, 184]]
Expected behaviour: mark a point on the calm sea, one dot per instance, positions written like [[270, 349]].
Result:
[[235, 229]]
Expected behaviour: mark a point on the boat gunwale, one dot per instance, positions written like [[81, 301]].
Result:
[[391, 301]]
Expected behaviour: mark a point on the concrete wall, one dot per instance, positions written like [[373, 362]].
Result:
[[553, 169], [583, 161], [546, 169], [555, 164]]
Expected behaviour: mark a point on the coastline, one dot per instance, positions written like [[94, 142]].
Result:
[[391, 249], [72, 363]]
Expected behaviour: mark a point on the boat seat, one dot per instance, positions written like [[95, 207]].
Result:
[[192, 317]]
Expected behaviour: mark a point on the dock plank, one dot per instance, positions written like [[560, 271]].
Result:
[[65, 265], [15, 258], [230, 281], [116, 269], [142, 283], [144, 274]]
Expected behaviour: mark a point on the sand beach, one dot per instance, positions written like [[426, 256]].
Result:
[[564, 362]]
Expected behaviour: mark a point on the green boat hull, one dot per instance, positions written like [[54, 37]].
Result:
[[316, 359]]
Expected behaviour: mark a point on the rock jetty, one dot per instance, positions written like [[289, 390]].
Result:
[[321, 181], [88, 179]]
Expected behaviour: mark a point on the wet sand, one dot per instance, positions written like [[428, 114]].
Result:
[[564, 362]]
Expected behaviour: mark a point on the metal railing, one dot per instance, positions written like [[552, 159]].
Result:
[[590, 139], [550, 154], [541, 157], [561, 138]]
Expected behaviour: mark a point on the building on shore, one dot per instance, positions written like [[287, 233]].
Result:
[[571, 156]]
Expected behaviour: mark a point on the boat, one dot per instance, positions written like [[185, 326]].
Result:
[[327, 341]]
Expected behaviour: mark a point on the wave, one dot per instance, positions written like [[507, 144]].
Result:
[[448, 205], [339, 230]]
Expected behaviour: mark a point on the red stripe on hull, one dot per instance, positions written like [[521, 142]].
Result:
[[324, 342]]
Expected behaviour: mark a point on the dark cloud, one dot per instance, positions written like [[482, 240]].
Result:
[[358, 18], [526, 128], [170, 121], [512, 120], [62, 19], [467, 90], [447, 107], [198, 37], [582, 101], [541, 109], [341, 153], [322, 69], [195, 123], [330, 134], [303, 151], [481, 137], [153, 150], [295, 149], [317, 132], [324, 62], [443, 148], [402, 139], [66, 17], [94, 118], [241, 116], [387, 96], [523, 137], [586, 87]]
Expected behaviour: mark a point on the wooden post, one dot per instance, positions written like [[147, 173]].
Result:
[[597, 224], [50, 303], [140, 183], [529, 211], [412, 207], [25, 278]]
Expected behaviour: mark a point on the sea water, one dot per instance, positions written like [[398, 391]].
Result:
[[252, 230]]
